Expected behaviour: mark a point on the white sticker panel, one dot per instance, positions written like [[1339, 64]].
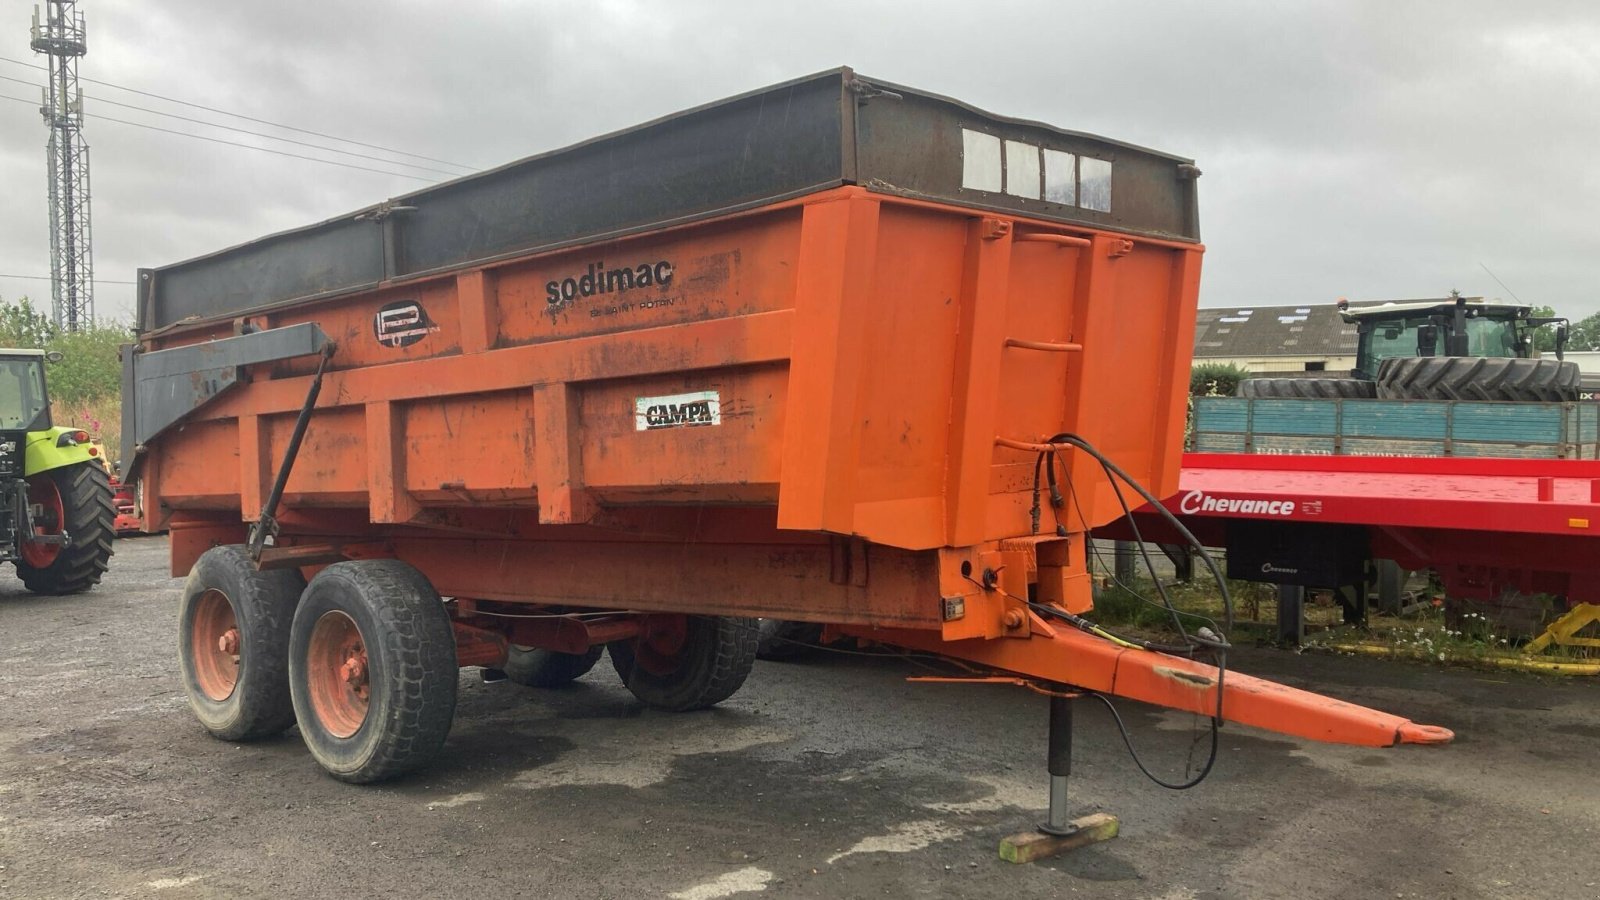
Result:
[[1060, 177], [677, 411], [1094, 184], [980, 161], [1022, 170]]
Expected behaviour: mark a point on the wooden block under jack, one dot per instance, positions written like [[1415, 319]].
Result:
[[1035, 845]]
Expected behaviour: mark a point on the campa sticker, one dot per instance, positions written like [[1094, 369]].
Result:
[[402, 323], [677, 411]]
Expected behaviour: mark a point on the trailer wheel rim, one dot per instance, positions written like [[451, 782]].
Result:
[[43, 493], [659, 647], [215, 645], [337, 674]]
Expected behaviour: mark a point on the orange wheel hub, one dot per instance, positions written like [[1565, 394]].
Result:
[[214, 644], [659, 647], [337, 676]]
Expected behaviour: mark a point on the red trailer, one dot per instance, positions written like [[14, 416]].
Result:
[[125, 499], [1492, 528]]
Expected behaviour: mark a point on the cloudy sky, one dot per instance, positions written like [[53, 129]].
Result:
[[1365, 150]]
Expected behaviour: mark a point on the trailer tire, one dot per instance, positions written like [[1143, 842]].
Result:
[[372, 670], [1478, 378], [77, 499], [534, 667], [243, 695], [781, 639], [679, 663], [1306, 389]]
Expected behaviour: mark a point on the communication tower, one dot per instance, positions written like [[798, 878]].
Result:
[[60, 34]]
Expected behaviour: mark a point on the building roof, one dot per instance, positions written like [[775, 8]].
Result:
[[1260, 331]]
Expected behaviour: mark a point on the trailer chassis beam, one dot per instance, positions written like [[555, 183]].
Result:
[[1069, 656]]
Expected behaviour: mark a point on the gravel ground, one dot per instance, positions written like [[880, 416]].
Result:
[[828, 778]]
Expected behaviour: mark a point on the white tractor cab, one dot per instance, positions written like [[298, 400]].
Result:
[[1460, 348], [1462, 326]]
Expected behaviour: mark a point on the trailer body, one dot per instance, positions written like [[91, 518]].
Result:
[[799, 354], [1356, 427], [619, 330]]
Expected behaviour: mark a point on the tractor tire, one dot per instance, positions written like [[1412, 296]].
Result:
[[1388, 583], [372, 670], [679, 663], [1306, 389], [780, 639], [533, 667], [233, 644], [1478, 378], [1514, 616], [76, 499]]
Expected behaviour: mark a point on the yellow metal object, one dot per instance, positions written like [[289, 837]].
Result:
[[1564, 631], [1519, 663]]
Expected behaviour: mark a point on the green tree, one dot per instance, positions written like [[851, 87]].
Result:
[[1216, 379], [1544, 339], [91, 366], [23, 326], [1585, 334]]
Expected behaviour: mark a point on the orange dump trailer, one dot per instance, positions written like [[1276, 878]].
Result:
[[815, 353]]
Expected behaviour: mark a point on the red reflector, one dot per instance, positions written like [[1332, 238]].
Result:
[[94, 451]]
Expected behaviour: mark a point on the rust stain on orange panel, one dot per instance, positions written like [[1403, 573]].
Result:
[[559, 478], [255, 466], [333, 457], [206, 474], [759, 337], [628, 455], [838, 243], [470, 443], [479, 310], [389, 500], [651, 281]]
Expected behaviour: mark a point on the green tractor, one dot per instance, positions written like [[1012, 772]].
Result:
[[1458, 349], [54, 481]]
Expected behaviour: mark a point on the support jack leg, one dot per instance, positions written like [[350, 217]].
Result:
[[1291, 614], [1058, 834]]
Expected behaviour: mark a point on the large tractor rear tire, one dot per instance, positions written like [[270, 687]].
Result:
[[76, 499], [1306, 389], [533, 667], [372, 670], [1478, 378], [233, 644], [679, 663]]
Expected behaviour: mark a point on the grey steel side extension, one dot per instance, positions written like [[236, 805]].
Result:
[[783, 141], [161, 387]]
